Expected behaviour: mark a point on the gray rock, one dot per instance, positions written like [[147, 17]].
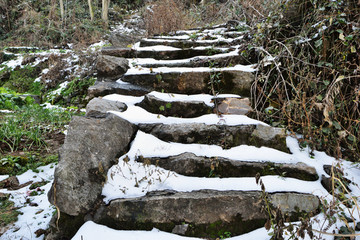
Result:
[[221, 135], [206, 211], [111, 68], [90, 149], [178, 108], [234, 106], [99, 107], [189, 164], [123, 40], [180, 229], [104, 88]]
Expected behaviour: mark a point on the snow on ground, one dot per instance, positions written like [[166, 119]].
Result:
[[140, 61], [33, 204], [170, 97], [93, 231], [160, 70]]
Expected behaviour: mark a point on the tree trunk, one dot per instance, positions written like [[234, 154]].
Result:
[[105, 10], [91, 10], [62, 11]]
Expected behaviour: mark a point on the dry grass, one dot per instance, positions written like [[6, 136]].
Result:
[[164, 16], [170, 15]]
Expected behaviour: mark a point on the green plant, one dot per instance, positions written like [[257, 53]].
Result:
[[75, 92], [22, 80], [15, 165], [225, 235], [167, 106], [26, 127], [8, 213]]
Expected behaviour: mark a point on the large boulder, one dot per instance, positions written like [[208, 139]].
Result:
[[110, 67], [90, 149]]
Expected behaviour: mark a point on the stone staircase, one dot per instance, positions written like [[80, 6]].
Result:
[[188, 152]]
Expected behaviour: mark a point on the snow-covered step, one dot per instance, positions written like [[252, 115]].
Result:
[[236, 80], [216, 134], [183, 43], [219, 60], [170, 104], [189, 164], [162, 52], [202, 213]]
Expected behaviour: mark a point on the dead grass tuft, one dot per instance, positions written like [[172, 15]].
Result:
[[164, 16]]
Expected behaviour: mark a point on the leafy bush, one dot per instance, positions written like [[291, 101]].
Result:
[[11, 101], [309, 79]]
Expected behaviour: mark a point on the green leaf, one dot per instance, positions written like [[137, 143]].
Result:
[[326, 130], [162, 108], [337, 125], [349, 37], [318, 43], [326, 82], [319, 97], [352, 138], [168, 105]]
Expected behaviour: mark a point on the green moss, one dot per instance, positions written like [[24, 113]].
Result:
[[218, 229], [8, 214]]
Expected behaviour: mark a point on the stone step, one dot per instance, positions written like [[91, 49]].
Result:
[[100, 89], [165, 54], [194, 108], [219, 61], [188, 164], [174, 108], [236, 80], [222, 135], [147, 42], [202, 213]]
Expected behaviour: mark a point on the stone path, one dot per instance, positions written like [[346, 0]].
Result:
[[194, 153]]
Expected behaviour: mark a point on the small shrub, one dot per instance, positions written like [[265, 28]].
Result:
[[164, 16], [311, 84]]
